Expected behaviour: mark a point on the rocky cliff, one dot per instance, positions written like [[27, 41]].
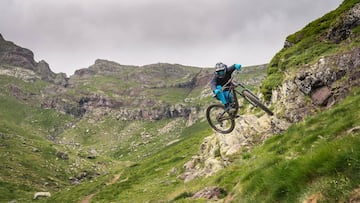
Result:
[[13, 56], [307, 87], [317, 86], [150, 92]]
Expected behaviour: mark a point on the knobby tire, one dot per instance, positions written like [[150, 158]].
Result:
[[212, 112]]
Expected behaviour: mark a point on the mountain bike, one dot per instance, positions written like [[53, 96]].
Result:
[[221, 119]]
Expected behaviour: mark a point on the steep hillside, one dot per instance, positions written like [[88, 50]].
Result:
[[333, 34], [120, 133]]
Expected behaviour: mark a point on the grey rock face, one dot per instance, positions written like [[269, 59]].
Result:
[[321, 84], [342, 29]]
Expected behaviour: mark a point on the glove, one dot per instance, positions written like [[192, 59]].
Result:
[[237, 66], [218, 89]]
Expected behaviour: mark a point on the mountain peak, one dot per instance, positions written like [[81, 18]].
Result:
[[16, 56]]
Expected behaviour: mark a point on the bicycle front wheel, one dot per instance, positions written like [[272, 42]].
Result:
[[249, 96], [220, 120]]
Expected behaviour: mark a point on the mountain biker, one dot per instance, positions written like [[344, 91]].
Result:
[[221, 76]]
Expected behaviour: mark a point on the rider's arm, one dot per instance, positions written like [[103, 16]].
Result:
[[236, 66], [213, 83]]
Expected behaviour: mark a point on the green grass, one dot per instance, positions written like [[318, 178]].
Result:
[[28, 160], [150, 177], [158, 84], [309, 44], [169, 95], [317, 155], [146, 180]]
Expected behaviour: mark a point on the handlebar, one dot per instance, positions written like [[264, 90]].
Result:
[[233, 82]]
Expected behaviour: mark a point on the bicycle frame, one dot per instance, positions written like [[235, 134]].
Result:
[[234, 91]]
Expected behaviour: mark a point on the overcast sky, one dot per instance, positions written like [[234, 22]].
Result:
[[72, 34]]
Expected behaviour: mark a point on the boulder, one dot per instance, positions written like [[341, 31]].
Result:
[[92, 154], [211, 193], [62, 155], [42, 194], [321, 95]]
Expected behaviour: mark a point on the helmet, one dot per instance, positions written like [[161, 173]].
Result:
[[220, 69]]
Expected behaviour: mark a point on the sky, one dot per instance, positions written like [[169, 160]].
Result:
[[72, 34]]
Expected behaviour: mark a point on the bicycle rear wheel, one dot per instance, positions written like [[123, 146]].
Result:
[[251, 97], [220, 120]]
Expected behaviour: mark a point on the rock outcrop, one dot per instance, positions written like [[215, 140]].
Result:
[[161, 112], [42, 68], [212, 193], [319, 85], [342, 29], [14, 56], [216, 149], [41, 194]]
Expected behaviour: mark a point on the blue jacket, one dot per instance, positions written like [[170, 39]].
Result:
[[216, 80]]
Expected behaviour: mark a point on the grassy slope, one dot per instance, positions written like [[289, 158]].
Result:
[[146, 180], [309, 44], [158, 82], [318, 155], [27, 154], [28, 160]]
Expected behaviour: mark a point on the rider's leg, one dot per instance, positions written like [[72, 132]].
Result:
[[228, 96], [220, 96], [229, 99], [223, 97]]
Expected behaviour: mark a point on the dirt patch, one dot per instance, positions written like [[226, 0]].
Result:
[[313, 198], [115, 179], [355, 196], [88, 198]]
